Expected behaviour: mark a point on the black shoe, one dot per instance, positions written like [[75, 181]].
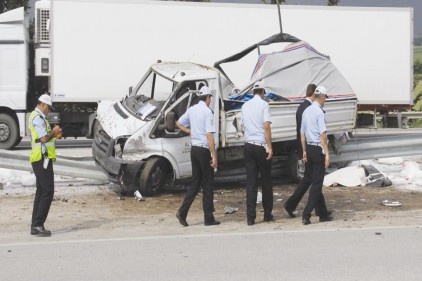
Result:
[[251, 222], [269, 218], [290, 212], [40, 231], [181, 220], [306, 221], [214, 222], [327, 218]]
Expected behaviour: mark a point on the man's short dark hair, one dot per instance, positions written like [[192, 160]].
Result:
[[310, 90], [258, 91], [203, 98]]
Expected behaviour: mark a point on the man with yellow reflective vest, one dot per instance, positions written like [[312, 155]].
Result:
[[43, 154]]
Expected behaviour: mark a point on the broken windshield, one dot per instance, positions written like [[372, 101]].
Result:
[[149, 96]]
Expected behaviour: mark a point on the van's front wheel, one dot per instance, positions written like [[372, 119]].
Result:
[[153, 177]]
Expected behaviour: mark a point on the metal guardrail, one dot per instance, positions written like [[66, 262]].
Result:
[[379, 146], [363, 146], [77, 167]]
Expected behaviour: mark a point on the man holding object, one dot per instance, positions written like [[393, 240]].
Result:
[[43, 154]]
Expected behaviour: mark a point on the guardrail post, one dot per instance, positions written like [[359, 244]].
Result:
[[399, 119]]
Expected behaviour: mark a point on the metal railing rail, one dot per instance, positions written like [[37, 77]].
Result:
[[357, 148], [65, 166], [379, 147]]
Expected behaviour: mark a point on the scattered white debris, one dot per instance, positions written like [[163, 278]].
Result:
[[230, 210], [391, 160], [138, 196], [259, 197], [348, 176], [391, 203]]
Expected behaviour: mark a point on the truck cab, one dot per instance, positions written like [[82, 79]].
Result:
[[137, 143], [13, 77]]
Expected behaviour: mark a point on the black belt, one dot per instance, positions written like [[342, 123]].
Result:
[[201, 146]]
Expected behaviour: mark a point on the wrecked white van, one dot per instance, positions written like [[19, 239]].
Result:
[[138, 145]]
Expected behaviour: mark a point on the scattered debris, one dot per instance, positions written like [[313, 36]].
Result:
[[348, 176], [138, 196], [375, 177], [366, 175], [259, 197], [230, 210], [378, 233], [279, 200], [391, 203]]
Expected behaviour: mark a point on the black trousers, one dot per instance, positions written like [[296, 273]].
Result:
[[202, 176], [296, 197], [256, 163], [44, 194], [314, 177]]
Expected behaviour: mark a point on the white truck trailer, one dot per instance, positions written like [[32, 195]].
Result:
[[96, 49]]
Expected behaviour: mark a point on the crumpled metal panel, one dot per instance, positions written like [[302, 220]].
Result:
[[115, 124]]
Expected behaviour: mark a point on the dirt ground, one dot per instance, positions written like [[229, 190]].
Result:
[[81, 212]]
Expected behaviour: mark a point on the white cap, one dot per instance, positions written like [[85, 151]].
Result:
[[205, 91], [259, 85], [320, 90], [47, 100]]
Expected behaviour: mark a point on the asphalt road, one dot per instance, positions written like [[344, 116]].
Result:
[[389, 253]]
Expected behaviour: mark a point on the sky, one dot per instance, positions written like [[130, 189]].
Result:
[[416, 4]]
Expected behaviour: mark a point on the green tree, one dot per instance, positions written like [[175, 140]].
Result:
[[333, 2], [6, 5], [417, 67], [273, 1]]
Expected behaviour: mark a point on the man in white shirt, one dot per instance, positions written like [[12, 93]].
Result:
[[258, 153], [313, 133], [198, 122]]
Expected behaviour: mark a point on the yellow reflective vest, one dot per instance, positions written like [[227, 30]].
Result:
[[36, 152]]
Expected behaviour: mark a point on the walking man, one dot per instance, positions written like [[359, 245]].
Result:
[[199, 118], [294, 200], [43, 154], [258, 152], [314, 142]]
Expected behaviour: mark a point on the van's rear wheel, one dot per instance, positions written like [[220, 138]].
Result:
[[296, 167], [153, 177], [9, 134]]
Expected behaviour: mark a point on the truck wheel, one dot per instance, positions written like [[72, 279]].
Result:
[[296, 167], [9, 134], [153, 177]]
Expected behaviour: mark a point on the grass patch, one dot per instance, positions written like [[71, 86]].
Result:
[[417, 53], [417, 90]]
